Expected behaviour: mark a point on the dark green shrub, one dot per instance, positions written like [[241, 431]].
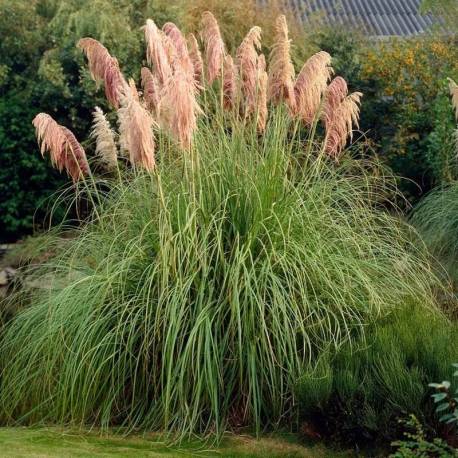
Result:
[[25, 179], [440, 145], [405, 106]]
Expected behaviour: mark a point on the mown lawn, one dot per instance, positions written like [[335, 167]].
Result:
[[54, 442]]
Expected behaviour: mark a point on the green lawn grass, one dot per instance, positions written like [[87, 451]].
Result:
[[62, 443]]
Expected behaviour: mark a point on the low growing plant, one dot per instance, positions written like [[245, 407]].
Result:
[[415, 443]]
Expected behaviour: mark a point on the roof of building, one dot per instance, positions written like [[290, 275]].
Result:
[[374, 17]]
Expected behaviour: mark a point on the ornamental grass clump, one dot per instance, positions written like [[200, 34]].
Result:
[[218, 265], [436, 219]]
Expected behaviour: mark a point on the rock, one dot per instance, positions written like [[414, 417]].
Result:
[[7, 275], [11, 272], [3, 278]]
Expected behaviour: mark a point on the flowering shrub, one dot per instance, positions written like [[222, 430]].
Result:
[[405, 83]]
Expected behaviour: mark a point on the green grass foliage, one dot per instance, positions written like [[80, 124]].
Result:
[[436, 218]]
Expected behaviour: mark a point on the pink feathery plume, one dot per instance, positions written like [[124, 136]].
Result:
[[50, 138], [196, 58], [133, 90], [156, 54], [150, 87], [178, 107], [170, 50], [214, 46], [64, 150], [310, 85], [181, 47], [174, 33], [281, 69], [115, 84], [104, 68], [333, 97], [136, 132], [339, 127], [229, 83], [261, 111], [261, 63], [247, 63], [75, 161]]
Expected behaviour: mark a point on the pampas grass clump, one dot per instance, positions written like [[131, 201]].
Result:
[[221, 262], [200, 296]]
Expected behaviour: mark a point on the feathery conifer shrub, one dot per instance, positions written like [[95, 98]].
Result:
[[358, 393]]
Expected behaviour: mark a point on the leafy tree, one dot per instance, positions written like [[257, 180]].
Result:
[[40, 70]]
